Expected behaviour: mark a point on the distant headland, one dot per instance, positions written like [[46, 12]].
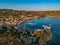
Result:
[[18, 13]]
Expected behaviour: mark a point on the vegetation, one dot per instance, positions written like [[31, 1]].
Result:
[[15, 13], [10, 36]]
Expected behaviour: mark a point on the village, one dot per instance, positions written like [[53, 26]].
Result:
[[12, 31], [14, 21], [9, 29]]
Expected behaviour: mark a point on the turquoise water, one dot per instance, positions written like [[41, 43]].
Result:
[[37, 24]]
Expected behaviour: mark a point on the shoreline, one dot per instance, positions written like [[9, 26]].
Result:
[[54, 16]]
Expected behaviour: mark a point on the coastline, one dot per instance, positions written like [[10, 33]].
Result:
[[54, 16]]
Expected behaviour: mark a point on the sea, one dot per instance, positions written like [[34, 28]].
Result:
[[53, 21]]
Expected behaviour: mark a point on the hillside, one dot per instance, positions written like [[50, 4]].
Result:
[[16, 13]]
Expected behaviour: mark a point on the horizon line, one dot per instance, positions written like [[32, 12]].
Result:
[[27, 10]]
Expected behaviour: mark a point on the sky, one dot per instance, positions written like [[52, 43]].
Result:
[[33, 5]]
